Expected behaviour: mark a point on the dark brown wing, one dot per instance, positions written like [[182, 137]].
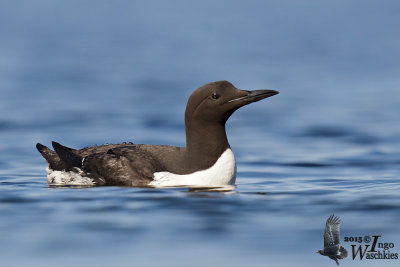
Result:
[[124, 166], [56, 163], [332, 231], [120, 164]]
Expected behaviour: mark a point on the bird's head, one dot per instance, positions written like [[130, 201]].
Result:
[[320, 252], [216, 101]]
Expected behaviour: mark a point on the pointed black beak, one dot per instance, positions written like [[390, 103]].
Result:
[[253, 96]]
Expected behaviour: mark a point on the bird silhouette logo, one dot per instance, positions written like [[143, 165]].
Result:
[[332, 247]]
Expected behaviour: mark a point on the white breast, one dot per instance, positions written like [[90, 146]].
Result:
[[222, 173]]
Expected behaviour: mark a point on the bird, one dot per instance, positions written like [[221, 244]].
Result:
[[332, 247], [206, 161]]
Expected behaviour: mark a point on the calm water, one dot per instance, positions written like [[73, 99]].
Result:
[[93, 72]]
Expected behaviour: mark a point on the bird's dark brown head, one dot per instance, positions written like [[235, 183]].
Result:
[[216, 101]]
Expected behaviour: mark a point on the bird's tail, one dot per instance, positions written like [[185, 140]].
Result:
[[54, 161], [61, 158], [342, 253], [67, 155]]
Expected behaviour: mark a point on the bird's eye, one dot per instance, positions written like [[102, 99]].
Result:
[[214, 95]]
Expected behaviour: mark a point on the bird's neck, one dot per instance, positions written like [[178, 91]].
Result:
[[205, 142]]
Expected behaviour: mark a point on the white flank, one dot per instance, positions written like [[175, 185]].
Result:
[[67, 178], [222, 173]]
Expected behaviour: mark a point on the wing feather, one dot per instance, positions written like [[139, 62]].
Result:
[[332, 231]]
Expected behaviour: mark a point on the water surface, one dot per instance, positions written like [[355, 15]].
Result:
[[93, 72]]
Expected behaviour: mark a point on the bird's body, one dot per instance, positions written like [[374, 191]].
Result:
[[206, 160], [332, 247]]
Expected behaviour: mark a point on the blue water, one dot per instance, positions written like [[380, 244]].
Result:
[[94, 72]]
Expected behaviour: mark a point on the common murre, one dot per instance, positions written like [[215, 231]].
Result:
[[206, 161]]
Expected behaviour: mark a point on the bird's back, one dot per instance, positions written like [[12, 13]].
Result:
[[119, 164]]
